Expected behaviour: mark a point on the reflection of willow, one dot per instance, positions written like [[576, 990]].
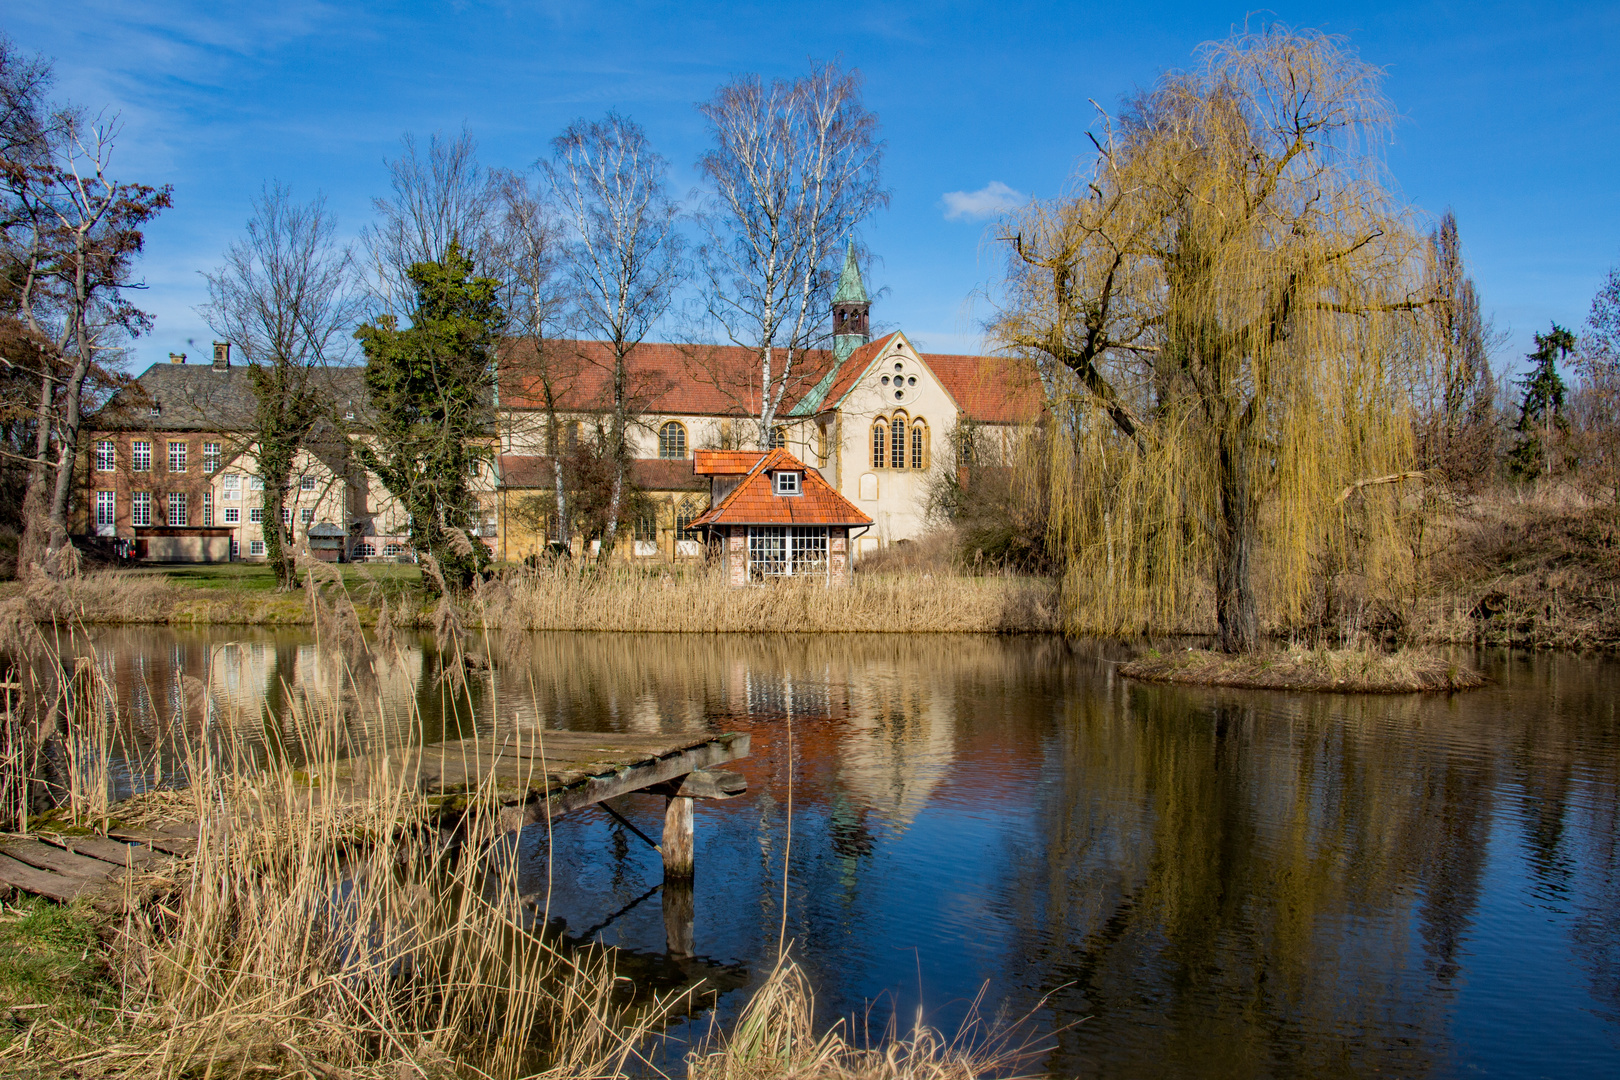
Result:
[[1245, 880]]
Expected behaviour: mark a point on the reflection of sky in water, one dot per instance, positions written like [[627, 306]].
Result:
[[1221, 883]]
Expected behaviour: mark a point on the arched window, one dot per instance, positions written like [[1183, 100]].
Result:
[[685, 514], [778, 437], [880, 443], [919, 444], [897, 440], [672, 440]]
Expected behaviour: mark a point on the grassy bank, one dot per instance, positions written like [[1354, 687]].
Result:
[[1361, 671], [691, 599]]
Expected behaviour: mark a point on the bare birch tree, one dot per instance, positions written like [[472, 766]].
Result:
[[1223, 306], [1597, 396], [528, 249], [624, 256], [794, 170], [286, 297], [82, 231], [1456, 387]]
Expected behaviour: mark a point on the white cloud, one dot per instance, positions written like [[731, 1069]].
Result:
[[992, 199]]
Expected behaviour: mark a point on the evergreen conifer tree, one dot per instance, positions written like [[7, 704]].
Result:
[[1541, 409], [431, 386]]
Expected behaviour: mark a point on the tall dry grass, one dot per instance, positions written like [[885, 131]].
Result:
[[700, 600]]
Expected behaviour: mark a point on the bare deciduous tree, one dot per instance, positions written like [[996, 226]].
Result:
[[440, 196], [1456, 387], [527, 248], [624, 259], [286, 298], [80, 232], [1596, 402], [794, 170], [1223, 307]]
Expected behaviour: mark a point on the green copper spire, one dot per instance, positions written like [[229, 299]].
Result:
[[851, 289], [850, 308]]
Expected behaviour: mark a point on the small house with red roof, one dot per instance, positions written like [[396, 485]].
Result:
[[877, 423], [777, 520]]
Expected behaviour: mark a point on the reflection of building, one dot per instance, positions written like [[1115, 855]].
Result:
[[900, 743]]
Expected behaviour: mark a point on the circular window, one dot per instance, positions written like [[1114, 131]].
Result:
[[885, 380], [898, 366], [911, 381], [898, 394]]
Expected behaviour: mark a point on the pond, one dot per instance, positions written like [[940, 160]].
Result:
[[1168, 881]]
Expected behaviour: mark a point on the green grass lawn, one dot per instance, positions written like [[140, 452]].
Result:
[[359, 578]]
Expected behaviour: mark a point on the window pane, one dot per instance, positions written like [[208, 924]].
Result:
[[106, 456], [880, 440], [141, 508], [141, 456], [177, 457], [672, 440], [208, 508], [897, 452], [210, 457], [767, 552], [106, 508], [809, 550], [177, 508], [918, 444]]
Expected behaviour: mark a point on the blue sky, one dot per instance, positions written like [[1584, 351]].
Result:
[[1510, 115]]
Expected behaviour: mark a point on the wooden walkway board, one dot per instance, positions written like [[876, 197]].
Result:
[[566, 770], [63, 868]]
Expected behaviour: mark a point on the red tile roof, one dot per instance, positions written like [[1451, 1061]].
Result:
[[700, 380], [754, 501], [723, 380], [648, 474], [990, 389], [724, 462]]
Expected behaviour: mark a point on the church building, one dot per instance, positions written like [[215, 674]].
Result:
[[878, 421]]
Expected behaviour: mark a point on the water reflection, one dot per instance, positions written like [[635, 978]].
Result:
[[1182, 882]]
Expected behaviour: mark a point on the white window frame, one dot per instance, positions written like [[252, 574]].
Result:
[[210, 457], [140, 509], [179, 510], [233, 515], [140, 456], [106, 456], [306, 516], [179, 449], [208, 509], [789, 482], [306, 483], [256, 515], [777, 551], [106, 509], [256, 547]]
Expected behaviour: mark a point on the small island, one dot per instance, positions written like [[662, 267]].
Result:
[[1346, 671]]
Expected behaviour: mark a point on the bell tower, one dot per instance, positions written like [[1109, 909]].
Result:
[[851, 307]]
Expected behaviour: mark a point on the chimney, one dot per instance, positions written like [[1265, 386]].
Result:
[[177, 358], [222, 355]]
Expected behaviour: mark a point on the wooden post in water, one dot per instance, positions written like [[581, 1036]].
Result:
[[677, 845], [679, 912]]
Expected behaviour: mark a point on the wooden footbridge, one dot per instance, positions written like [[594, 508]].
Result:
[[549, 773]]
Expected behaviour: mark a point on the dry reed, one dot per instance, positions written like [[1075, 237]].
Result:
[[1356, 670], [563, 598]]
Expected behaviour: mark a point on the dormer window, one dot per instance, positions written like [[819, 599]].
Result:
[[787, 483], [157, 410]]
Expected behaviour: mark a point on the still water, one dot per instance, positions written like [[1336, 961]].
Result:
[[1168, 881]]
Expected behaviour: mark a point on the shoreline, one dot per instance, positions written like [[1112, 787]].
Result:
[[1331, 671]]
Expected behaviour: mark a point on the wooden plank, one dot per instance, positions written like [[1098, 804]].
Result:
[[116, 852], [595, 789], [46, 857], [172, 845], [32, 880]]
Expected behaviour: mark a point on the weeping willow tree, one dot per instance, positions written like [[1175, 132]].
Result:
[[1226, 311]]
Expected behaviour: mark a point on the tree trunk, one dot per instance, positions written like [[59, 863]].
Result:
[[35, 531], [275, 500], [1236, 611], [66, 455]]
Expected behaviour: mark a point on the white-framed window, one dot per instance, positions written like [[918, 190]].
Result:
[[286, 515], [233, 515], [787, 483], [177, 456], [140, 508], [106, 509], [255, 483], [207, 509], [231, 486], [140, 455], [256, 515], [255, 547], [306, 483], [106, 455], [210, 457], [177, 509], [307, 514], [393, 549], [365, 550], [786, 551]]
